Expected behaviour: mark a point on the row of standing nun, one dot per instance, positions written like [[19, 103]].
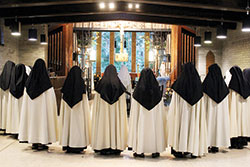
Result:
[[11, 94], [209, 114], [38, 123], [194, 122]]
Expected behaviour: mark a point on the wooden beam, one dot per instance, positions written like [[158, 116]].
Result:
[[146, 63], [223, 5], [68, 46], [99, 53], [122, 16], [174, 52], [112, 48], [133, 58]]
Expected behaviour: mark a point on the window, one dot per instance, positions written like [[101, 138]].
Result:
[[105, 50], [127, 48], [140, 50]]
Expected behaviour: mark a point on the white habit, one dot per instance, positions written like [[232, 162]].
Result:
[[75, 124], [38, 120], [109, 124], [238, 112], [147, 129], [187, 130], [218, 126], [4, 108]]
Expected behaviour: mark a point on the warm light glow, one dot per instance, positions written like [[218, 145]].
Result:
[[92, 55], [16, 33], [102, 5], [151, 55], [130, 5], [197, 45], [43, 43], [137, 6], [221, 36], [111, 5], [207, 42], [32, 39], [245, 29]]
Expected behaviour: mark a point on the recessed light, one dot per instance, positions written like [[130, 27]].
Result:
[[102, 5], [130, 5], [137, 6], [111, 5]]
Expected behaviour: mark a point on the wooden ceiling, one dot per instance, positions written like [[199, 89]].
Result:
[[181, 12]]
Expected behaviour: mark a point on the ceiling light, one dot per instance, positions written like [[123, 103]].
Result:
[[102, 5], [43, 40], [137, 6], [197, 41], [111, 5], [208, 37], [246, 21], [32, 34], [221, 32], [16, 28], [130, 5], [246, 24]]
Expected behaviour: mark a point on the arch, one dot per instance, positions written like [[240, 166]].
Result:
[[210, 59]]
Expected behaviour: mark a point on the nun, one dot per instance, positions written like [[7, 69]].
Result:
[[125, 78], [74, 113], [38, 120], [217, 110], [246, 73], [148, 119], [126, 81], [187, 130], [17, 83], [109, 115], [238, 108], [4, 92]]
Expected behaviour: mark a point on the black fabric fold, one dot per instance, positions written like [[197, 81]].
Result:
[[18, 79], [188, 84], [246, 73], [38, 81], [110, 87], [74, 87], [6, 75], [147, 91], [238, 82], [214, 85]]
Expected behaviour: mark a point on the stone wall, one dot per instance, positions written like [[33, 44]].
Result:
[[202, 52], [10, 49], [236, 50], [19, 49], [29, 51]]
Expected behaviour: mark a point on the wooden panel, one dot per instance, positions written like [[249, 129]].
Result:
[[174, 52], [188, 51], [133, 58], [99, 53], [182, 49], [146, 63], [112, 48], [49, 51], [60, 51], [185, 50], [68, 46]]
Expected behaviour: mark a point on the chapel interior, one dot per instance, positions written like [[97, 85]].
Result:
[[162, 35]]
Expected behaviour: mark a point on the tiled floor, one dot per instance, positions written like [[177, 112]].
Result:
[[13, 154]]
